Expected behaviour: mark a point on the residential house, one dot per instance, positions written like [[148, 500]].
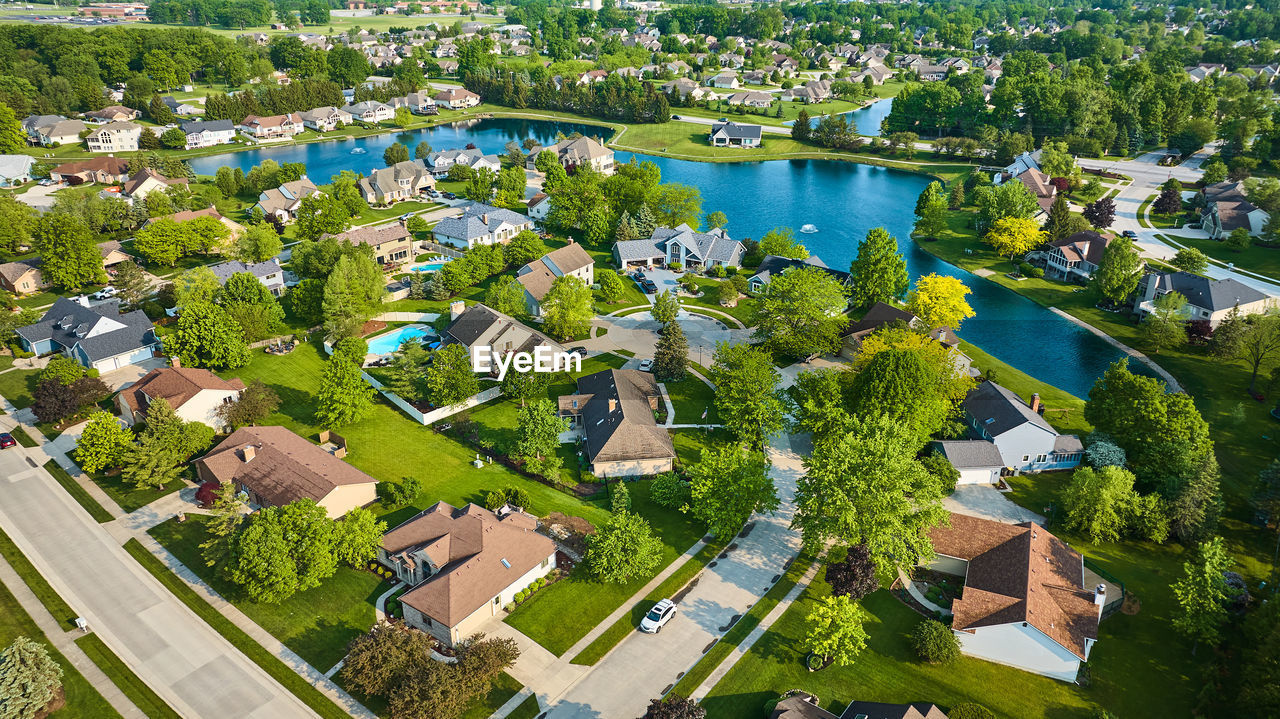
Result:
[[15, 169], [480, 325], [112, 255], [773, 265], [733, 134], [750, 98], [539, 206], [448, 67], [463, 566], [194, 394], [577, 152], [755, 77], [1207, 299], [283, 202], [537, 276], [686, 88], [181, 109], [275, 467], [112, 113], [272, 127], [52, 130], [1077, 256], [22, 277], [878, 74], [370, 111], [104, 170], [801, 705], [419, 103], [1026, 442], [114, 137], [146, 181], [1026, 601], [97, 337], [882, 315], [1040, 187], [208, 134], [326, 118], [727, 80], [810, 92], [591, 77], [481, 224], [401, 181], [235, 229], [1021, 163], [392, 243], [1228, 209], [681, 245], [613, 411], [269, 273], [440, 162], [457, 98]]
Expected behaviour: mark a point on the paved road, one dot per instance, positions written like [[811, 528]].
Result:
[[179, 656]]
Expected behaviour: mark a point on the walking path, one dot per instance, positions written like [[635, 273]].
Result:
[[1162, 372]]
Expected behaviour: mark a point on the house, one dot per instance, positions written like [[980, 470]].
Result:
[[727, 80], [1207, 299], [685, 88], [52, 130], [392, 243], [325, 118], [1228, 209], [401, 181], [97, 337], [681, 245], [208, 134], [440, 162], [537, 276], [22, 277], [457, 98], [481, 224], [112, 254], [272, 127], [733, 134], [1026, 601], [750, 98], [1026, 442], [269, 273], [539, 206], [1021, 163], [810, 92], [275, 467], [103, 170], [801, 705], [283, 202], [181, 109], [480, 325], [15, 169], [577, 152], [773, 265], [114, 137], [370, 111], [234, 228], [194, 394], [464, 565], [877, 72], [1077, 256], [613, 411], [419, 103], [146, 181], [112, 113], [977, 462], [1037, 183]]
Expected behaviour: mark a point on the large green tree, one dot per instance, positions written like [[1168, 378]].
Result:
[[450, 379], [29, 677], [69, 254], [284, 550], [835, 630], [538, 429], [747, 395], [624, 548], [729, 484], [352, 294], [879, 272], [567, 308], [1118, 271], [1202, 594], [205, 335], [801, 312], [671, 354], [344, 396], [104, 443]]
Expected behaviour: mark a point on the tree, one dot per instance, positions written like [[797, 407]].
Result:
[[619, 497], [674, 204], [352, 294], [1202, 594], [30, 679], [449, 378], [1189, 259], [284, 550], [170, 432], [674, 706], [396, 152], [1009, 199], [912, 385], [206, 336], [622, 549], [12, 137], [379, 661], [161, 242], [866, 487], [665, 307], [835, 630], [1259, 343], [480, 186], [567, 308], [422, 150], [781, 241], [197, 285], [357, 537], [1101, 212], [103, 444], [931, 208], [934, 642], [747, 396], [320, 215], [1165, 326], [801, 313], [803, 127], [69, 254], [1014, 236], [538, 437], [728, 485], [879, 272], [1102, 452], [1169, 202], [258, 243], [1118, 271], [344, 396], [61, 368], [131, 284], [173, 138], [255, 403], [855, 576], [611, 285], [717, 219], [955, 199], [1099, 502], [1239, 240], [938, 300], [150, 464], [506, 295]]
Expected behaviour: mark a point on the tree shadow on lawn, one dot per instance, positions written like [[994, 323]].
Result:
[[324, 643], [296, 404]]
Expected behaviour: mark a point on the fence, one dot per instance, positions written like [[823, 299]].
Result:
[[1115, 601]]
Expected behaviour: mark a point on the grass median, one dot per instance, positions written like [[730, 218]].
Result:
[[78, 493]]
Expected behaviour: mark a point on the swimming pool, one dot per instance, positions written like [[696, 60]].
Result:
[[429, 267], [385, 344]]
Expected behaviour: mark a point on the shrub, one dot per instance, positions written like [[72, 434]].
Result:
[[669, 490], [940, 467], [1025, 269], [719, 271], [675, 267], [970, 710], [520, 596], [935, 643], [1036, 272]]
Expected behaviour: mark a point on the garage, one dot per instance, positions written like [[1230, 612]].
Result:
[[977, 460]]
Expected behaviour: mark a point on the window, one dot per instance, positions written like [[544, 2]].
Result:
[[497, 600], [1040, 458], [1026, 457], [545, 562]]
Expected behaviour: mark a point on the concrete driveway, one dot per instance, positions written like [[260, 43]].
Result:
[[638, 333], [980, 500], [125, 376]]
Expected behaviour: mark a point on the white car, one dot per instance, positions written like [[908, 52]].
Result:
[[646, 365], [105, 293], [657, 617]]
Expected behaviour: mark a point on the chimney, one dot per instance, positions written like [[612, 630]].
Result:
[[1100, 597], [456, 308], [1035, 403], [613, 404], [484, 218], [175, 362], [249, 452]]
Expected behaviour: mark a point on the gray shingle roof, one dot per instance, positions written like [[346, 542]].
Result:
[[224, 270], [1212, 295], [773, 265], [706, 247], [477, 220], [106, 332], [208, 126], [971, 453], [998, 410], [618, 420], [736, 131]]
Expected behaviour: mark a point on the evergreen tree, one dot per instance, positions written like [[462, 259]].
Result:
[[643, 224], [879, 272], [29, 679], [671, 355], [1058, 225], [802, 129]]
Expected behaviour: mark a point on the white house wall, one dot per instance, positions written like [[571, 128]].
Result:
[[347, 497], [1024, 647], [1025, 440], [203, 407]]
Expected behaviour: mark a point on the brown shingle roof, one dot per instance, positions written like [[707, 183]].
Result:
[[284, 467], [468, 546], [1019, 573], [538, 275], [176, 385], [617, 417], [374, 236], [109, 165]]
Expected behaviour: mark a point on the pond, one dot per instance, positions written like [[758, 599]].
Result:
[[842, 200], [866, 119]]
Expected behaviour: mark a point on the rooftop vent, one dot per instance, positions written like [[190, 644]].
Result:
[[505, 563]]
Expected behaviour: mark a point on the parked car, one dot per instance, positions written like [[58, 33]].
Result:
[[105, 293], [7, 441], [646, 365], [657, 617], [1130, 234], [580, 351], [649, 287], [406, 216]]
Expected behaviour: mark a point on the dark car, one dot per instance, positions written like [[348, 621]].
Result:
[[580, 351], [649, 287], [1130, 234], [7, 441]]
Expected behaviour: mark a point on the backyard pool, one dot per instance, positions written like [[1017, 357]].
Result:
[[385, 344], [428, 266]]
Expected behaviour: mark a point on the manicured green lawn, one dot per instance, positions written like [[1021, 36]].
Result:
[[78, 493], [691, 397], [504, 687], [744, 311], [318, 624], [690, 443], [1260, 258], [528, 709], [23, 438], [123, 677], [558, 616], [52, 601], [18, 386]]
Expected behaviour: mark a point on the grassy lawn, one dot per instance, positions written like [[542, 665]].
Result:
[[78, 493], [691, 397], [558, 616], [278, 670], [23, 438], [528, 709], [318, 624], [123, 677], [131, 497], [18, 386], [1256, 257], [744, 311], [1070, 421], [690, 443], [52, 601]]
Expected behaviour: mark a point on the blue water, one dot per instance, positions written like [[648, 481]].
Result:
[[432, 267], [390, 342], [867, 119], [843, 199]]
